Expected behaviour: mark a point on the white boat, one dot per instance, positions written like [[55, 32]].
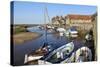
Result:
[[49, 27], [42, 62], [58, 54], [31, 58], [34, 56], [67, 33], [61, 31], [69, 59], [40, 27], [72, 32], [83, 54]]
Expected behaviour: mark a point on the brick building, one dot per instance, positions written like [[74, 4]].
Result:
[[84, 22]]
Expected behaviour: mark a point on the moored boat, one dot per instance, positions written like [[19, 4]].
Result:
[[34, 56], [83, 54], [71, 32], [61, 31], [57, 55]]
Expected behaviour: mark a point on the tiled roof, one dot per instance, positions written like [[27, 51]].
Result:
[[82, 17]]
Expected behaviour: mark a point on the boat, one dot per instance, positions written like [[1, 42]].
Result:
[[61, 31], [39, 53], [71, 32], [34, 56], [49, 27], [47, 55], [67, 33], [57, 55], [83, 54], [40, 27], [67, 54]]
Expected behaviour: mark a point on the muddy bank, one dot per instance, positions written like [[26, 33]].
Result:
[[25, 36]]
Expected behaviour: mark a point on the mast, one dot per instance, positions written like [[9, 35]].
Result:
[[45, 20], [47, 14]]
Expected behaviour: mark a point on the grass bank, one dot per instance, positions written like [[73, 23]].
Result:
[[21, 35]]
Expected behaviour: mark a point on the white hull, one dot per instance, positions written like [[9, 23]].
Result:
[[41, 62], [74, 35], [75, 57], [88, 54], [31, 58], [60, 52]]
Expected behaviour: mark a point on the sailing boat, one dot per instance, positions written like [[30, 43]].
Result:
[[34, 56]]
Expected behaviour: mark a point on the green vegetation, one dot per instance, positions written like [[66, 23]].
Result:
[[21, 35], [19, 29]]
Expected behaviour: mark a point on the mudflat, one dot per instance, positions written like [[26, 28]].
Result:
[[24, 36]]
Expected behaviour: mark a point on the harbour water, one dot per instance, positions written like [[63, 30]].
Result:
[[21, 49]]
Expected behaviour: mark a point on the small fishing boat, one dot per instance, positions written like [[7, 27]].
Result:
[[57, 55]]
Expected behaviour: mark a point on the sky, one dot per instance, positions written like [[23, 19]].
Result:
[[33, 12]]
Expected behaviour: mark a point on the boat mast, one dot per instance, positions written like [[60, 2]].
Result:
[[45, 20], [47, 14]]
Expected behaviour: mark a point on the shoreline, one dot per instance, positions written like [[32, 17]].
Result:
[[25, 36]]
